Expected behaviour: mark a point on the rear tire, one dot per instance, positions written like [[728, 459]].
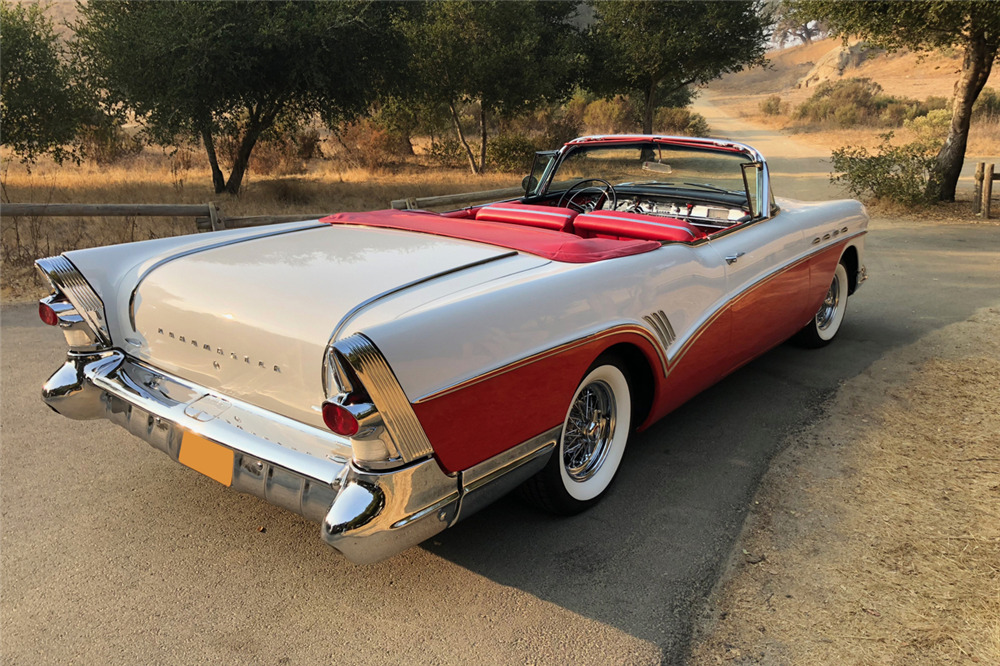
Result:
[[822, 329], [594, 434]]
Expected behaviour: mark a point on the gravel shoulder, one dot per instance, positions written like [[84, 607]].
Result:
[[875, 536]]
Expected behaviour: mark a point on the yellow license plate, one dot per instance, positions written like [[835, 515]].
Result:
[[209, 458]]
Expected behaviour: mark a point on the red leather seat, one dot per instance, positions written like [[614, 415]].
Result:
[[614, 224], [544, 217]]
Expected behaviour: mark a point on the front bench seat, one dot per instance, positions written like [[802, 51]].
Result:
[[628, 226]]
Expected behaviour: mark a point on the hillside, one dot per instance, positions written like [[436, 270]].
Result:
[[794, 73]]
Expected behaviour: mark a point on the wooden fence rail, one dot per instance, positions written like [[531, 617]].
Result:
[[208, 217], [457, 199]]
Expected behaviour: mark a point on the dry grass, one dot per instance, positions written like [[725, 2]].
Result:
[[875, 538], [327, 186]]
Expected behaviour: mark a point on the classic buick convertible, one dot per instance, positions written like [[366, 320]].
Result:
[[389, 373]]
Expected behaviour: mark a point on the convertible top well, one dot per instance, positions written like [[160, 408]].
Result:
[[546, 243]]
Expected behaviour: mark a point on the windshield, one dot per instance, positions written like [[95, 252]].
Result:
[[654, 165]]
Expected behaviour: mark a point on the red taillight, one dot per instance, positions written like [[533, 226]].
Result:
[[47, 314], [339, 419]]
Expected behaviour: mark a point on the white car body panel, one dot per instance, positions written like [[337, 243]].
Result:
[[222, 317]]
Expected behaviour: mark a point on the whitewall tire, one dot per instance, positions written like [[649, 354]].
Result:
[[824, 326], [594, 434]]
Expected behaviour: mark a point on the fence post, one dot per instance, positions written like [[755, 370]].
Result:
[[213, 216], [977, 198], [987, 190]]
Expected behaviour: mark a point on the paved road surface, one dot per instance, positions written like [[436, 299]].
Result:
[[112, 554]]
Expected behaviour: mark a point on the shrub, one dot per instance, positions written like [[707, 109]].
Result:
[[851, 102], [932, 128], [368, 145], [987, 105], [935, 102], [832, 96], [107, 143], [447, 152], [892, 173], [610, 116], [773, 106], [510, 153], [308, 143], [274, 155], [673, 120]]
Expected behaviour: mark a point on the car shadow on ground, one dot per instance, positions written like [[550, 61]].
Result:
[[644, 559]]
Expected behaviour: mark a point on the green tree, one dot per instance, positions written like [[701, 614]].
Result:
[[972, 26], [239, 69], [41, 108], [507, 57], [790, 24], [650, 50]]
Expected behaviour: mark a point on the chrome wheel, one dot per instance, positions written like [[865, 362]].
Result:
[[827, 314], [823, 327], [590, 428]]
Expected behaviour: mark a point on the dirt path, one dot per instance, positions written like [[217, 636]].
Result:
[[799, 170]]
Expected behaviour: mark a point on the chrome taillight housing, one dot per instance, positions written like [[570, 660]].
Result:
[[73, 306], [366, 404]]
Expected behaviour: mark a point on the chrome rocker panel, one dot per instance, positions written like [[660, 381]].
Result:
[[367, 516]]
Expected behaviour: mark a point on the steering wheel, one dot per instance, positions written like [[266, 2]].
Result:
[[607, 191]]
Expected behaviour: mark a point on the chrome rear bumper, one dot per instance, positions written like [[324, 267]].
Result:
[[367, 516]]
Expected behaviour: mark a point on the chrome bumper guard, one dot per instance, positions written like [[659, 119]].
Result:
[[368, 516]]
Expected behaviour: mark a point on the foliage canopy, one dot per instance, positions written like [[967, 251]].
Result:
[[41, 109], [205, 69], [509, 57], [653, 49]]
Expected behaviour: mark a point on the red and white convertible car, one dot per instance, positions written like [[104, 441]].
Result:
[[389, 373]]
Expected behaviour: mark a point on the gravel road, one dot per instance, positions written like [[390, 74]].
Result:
[[111, 553]]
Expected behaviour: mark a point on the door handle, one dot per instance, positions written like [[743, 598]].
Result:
[[731, 259]]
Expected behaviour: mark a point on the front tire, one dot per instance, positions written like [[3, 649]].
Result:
[[594, 434], [824, 326]]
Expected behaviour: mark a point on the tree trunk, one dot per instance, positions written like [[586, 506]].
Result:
[[647, 115], [218, 179], [482, 144], [976, 65], [242, 161], [461, 137], [258, 122]]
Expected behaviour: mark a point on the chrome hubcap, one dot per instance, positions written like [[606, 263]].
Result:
[[589, 430], [828, 311]]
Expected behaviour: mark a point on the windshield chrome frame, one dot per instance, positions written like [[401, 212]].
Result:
[[694, 143]]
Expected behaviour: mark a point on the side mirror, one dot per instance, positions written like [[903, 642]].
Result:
[[528, 184]]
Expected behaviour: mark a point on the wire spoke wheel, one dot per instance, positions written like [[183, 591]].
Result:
[[589, 431]]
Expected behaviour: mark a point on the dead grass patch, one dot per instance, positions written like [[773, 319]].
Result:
[[875, 538], [153, 177]]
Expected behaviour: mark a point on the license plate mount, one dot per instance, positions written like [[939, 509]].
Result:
[[205, 456]]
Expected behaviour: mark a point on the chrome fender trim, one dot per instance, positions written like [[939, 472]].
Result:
[[493, 478]]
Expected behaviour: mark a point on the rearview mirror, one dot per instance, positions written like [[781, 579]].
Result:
[[658, 167]]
